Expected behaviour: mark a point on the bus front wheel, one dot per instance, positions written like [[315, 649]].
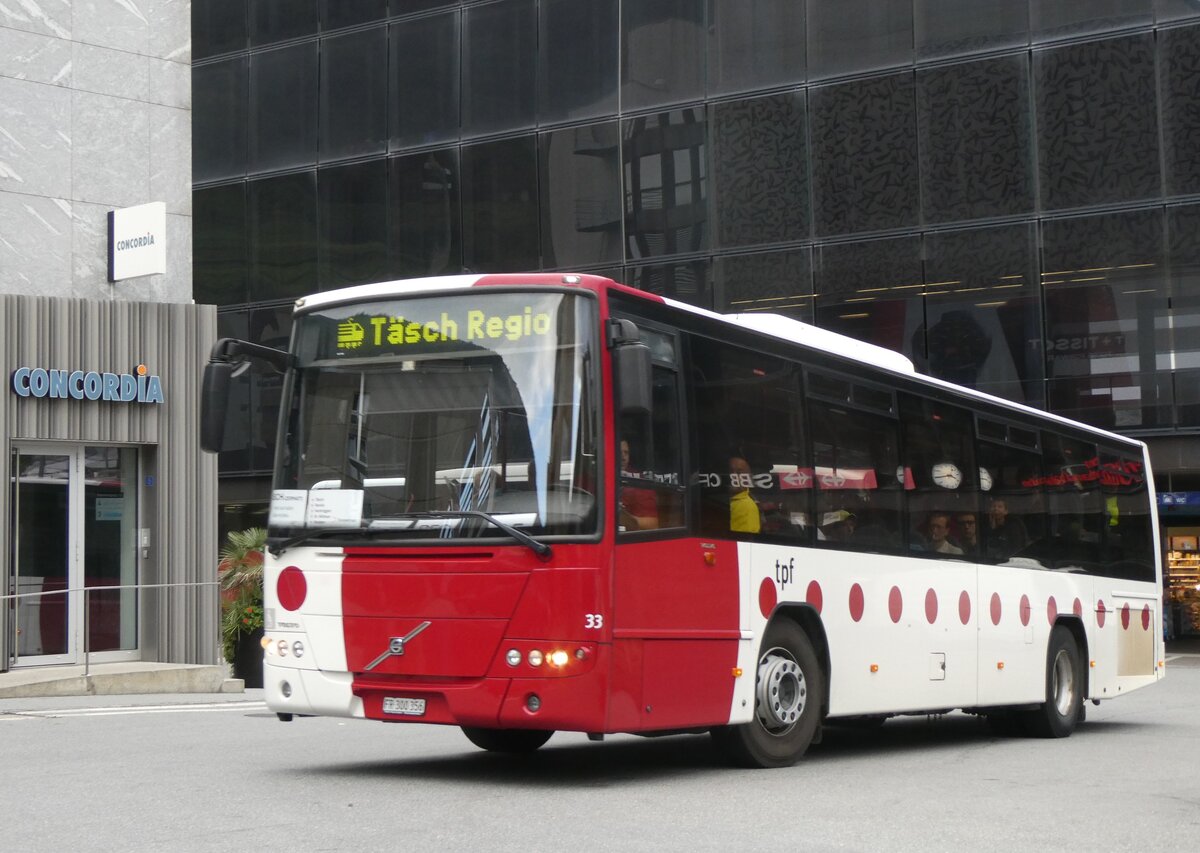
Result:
[[1063, 708], [789, 694], [512, 741]]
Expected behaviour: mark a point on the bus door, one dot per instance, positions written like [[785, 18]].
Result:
[[675, 604]]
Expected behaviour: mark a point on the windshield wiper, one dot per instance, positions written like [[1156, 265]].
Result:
[[538, 547]]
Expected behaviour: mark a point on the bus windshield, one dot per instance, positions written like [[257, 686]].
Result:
[[411, 418]]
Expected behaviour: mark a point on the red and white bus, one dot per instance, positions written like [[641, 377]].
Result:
[[528, 503]]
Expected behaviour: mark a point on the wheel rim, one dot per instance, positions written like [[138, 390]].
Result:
[[1064, 683], [782, 692]]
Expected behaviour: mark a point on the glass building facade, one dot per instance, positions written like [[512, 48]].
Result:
[[1006, 191]]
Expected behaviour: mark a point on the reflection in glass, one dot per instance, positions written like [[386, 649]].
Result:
[[954, 27], [1053, 19], [282, 218], [665, 175], [424, 87], [500, 205], [755, 45], [345, 13], [982, 322], [580, 185], [760, 165], [577, 59], [219, 245], [354, 94], [218, 26], [1180, 64], [662, 52], [41, 552], [276, 20], [424, 213], [864, 155], [283, 107], [219, 119], [499, 55], [110, 557], [352, 214], [689, 281], [1106, 308], [974, 134], [870, 290], [1097, 123], [777, 282], [846, 36]]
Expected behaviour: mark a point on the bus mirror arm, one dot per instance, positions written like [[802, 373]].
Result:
[[229, 358], [631, 368]]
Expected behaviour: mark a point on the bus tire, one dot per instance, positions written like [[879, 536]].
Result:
[[789, 695], [511, 741], [1061, 712]]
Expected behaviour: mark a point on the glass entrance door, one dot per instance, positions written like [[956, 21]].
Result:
[[74, 558]]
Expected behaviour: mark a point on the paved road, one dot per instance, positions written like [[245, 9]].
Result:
[[219, 773]]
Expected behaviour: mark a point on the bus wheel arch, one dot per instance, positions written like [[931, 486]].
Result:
[[791, 698], [1066, 679]]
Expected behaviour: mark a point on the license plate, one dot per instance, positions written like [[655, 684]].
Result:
[[406, 707]]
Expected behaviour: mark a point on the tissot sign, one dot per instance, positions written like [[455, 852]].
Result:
[[138, 387], [137, 241]]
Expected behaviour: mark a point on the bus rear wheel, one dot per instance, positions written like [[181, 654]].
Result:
[[1063, 708], [788, 696], [511, 741]]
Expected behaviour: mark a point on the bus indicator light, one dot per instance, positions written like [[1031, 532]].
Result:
[[558, 657], [874, 667], [737, 672], [999, 664]]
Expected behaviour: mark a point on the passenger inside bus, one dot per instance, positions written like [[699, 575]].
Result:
[[744, 514], [967, 528], [638, 506], [937, 535], [1006, 535]]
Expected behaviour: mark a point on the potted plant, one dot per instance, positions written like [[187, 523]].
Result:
[[241, 574]]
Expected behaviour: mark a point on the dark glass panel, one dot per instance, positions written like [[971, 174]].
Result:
[[283, 237], [499, 59], [974, 133], [870, 291], [1180, 61], [578, 59], [864, 152], [424, 215], [848, 36], [277, 20], [956, 27], [1106, 297], [219, 105], [760, 170], [689, 281], [665, 174], [352, 213], [406, 7], [580, 185], [219, 245], [424, 82], [347, 13], [283, 108], [1053, 19], [218, 26], [778, 282], [1097, 123], [1183, 229], [754, 44], [982, 325], [354, 94], [662, 52], [500, 206], [1175, 10]]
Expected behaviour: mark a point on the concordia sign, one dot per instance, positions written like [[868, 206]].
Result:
[[143, 387]]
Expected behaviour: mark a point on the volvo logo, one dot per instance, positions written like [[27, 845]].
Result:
[[396, 646]]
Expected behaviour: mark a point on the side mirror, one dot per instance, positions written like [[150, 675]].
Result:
[[634, 386], [214, 403]]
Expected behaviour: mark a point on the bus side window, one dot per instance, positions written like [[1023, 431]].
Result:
[[1129, 545], [1012, 515], [940, 477]]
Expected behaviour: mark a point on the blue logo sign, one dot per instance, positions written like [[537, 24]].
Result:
[[138, 387]]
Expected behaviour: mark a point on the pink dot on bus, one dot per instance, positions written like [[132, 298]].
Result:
[[996, 608], [857, 601], [814, 597], [291, 588], [1100, 613], [1125, 617], [931, 606], [1051, 609], [964, 607], [895, 604], [1146, 618], [1026, 610], [1077, 607], [767, 596]]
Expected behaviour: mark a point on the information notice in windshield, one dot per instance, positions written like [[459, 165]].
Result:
[[367, 334]]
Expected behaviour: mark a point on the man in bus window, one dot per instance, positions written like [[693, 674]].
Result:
[[744, 516], [968, 533], [1005, 534], [937, 530], [639, 507]]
